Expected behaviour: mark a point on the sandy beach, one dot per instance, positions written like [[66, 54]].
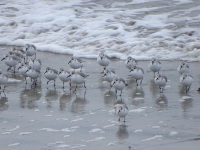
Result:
[[48, 118]]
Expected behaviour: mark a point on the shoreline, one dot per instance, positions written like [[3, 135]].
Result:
[[95, 57]]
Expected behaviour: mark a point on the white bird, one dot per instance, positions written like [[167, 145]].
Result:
[[18, 52], [155, 65], [30, 50], [64, 76], [137, 73], [109, 76], [33, 74], [119, 84], [11, 61], [78, 78], [186, 80], [35, 63], [130, 62], [23, 69], [160, 80], [103, 60], [183, 67], [3, 81], [76, 63], [121, 110], [51, 74]]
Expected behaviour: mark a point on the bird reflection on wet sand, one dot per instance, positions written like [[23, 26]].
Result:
[[64, 99], [28, 97], [50, 96], [78, 104], [138, 96], [122, 132], [3, 103], [186, 103], [162, 101], [109, 97]]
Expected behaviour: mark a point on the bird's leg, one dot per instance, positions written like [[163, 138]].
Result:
[[54, 83], [75, 88], [141, 81], [84, 85], [25, 80], [63, 85], [121, 93], [70, 85]]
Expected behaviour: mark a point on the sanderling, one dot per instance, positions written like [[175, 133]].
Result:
[[3, 81], [109, 76], [33, 74], [160, 80], [183, 67], [137, 73], [78, 78], [51, 74], [121, 110], [130, 62], [186, 80], [35, 63], [119, 84], [103, 60], [19, 52], [23, 69], [64, 76], [75, 63], [155, 65], [11, 61], [30, 50]]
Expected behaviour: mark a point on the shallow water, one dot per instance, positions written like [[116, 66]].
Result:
[[167, 29], [53, 118]]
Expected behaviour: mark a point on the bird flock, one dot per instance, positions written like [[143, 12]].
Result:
[[24, 62]]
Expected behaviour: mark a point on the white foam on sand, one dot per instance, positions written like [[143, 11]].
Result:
[[140, 28], [96, 130], [153, 138]]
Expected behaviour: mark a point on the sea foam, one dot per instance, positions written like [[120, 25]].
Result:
[[141, 28]]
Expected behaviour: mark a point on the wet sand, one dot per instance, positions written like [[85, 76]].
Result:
[[53, 118]]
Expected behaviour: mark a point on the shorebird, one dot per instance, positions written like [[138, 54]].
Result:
[[121, 110], [130, 62], [3, 81], [186, 80], [11, 61], [18, 52], [64, 76], [183, 67], [137, 73], [51, 74], [23, 69], [109, 76], [30, 50], [160, 80], [78, 78], [103, 60], [33, 74], [35, 63], [155, 65], [75, 63], [119, 84]]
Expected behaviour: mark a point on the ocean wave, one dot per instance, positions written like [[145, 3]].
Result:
[[141, 28]]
